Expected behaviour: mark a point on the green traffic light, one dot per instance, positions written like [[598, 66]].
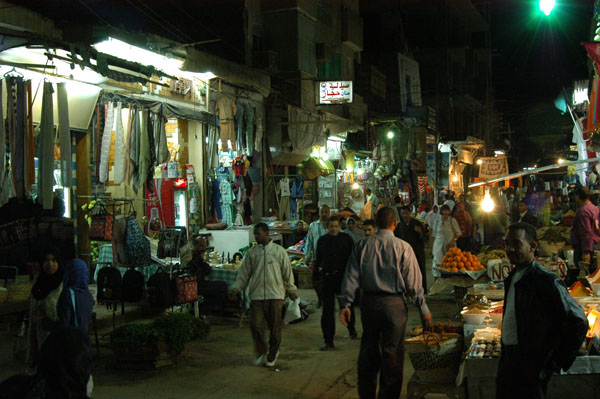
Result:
[[546, 6]]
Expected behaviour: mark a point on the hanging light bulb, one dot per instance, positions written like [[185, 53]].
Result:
[[390, 135], [355, 186], [454, 178], [487, 205]]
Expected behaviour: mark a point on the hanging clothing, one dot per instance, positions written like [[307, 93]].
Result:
[[106, 141], [249, 120], [297, 191], [134, 150], [16, 102], [293, 209], [240, 127], [284, 208], [29, 143], [46, 149], [119, 170], [227, 201], [216, 198], [211, 148], [260, 120], [145, 159], [160, 138], [4, 192], [226, 109], [284, 187], [128, 168], [64, 133]]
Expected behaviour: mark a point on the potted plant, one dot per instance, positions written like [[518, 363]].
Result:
[[158, 343]]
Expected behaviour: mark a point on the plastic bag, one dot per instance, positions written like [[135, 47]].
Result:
[[292, 312]]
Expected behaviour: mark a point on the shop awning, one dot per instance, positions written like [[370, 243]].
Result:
[[236, 74]]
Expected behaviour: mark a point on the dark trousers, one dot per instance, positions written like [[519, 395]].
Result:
[[382, 346], [266, 315], [518, 378], [329, 289], [423, 269], [464, 243]]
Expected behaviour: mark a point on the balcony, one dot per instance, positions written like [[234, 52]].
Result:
[[352, 30]]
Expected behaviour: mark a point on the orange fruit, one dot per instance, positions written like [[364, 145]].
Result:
[[453, 264], [461, 264], [468, 264], [454, 269]]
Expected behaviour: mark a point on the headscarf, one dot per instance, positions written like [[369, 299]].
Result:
[[46, 283], [357, 234], [76, 276]]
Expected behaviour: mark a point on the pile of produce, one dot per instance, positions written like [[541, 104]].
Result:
[[459, 261], [553, 234], [494, 254]]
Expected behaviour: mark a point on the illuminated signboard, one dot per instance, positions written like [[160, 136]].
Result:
[[335, 92]]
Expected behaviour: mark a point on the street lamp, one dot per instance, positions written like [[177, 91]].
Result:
[[546, 6], [390, 135]]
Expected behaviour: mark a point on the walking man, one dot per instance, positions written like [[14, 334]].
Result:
[[333, 251], [369, 227], [268, 273], [386, 269], [585, 232], [412, 231], [543, 327], [316, 230]]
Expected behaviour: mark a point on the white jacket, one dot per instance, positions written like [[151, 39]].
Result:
[[267, 271]]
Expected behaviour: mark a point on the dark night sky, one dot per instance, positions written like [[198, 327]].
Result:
[[536, 56]]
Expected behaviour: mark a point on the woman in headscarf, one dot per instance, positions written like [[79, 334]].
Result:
[[352, 229], [45, 293], [445, 232], [76, 303]]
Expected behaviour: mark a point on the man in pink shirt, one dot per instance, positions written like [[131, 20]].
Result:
[[585, 232]]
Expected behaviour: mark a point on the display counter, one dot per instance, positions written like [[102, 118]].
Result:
[[232, 240]]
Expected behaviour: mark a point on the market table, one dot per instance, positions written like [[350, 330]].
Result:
[[229, 276], [105, 259], [582, 380]]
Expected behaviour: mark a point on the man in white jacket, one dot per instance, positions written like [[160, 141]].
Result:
[[268, 273]]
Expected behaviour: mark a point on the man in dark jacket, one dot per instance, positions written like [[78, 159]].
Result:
[[333, 251], [543, 327], [525, 215], [412, 231]]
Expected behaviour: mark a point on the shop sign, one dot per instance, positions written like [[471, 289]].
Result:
[[493, 167], [339, 92], [499, 269]]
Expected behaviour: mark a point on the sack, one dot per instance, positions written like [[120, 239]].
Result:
[[109, 284], [434, 351], [170, 240], [187, 288], [102, 226], [292, 311], [133, 286], [137, 246], [160, 290]]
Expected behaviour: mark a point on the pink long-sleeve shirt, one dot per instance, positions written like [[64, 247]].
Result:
[[586, 231]]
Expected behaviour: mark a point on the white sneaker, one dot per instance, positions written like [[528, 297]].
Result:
[[272, 364], [258, 361]]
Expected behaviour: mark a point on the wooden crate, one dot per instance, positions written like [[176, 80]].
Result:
[[304, 280]]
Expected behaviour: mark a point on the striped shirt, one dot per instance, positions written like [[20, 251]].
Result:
[[316, 230]]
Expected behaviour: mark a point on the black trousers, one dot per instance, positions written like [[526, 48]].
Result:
[[382, 346], [520, 378], [329, 289]]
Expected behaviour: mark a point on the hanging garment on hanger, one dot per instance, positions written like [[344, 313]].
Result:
[[127, 139], [15, 92], [64, 132], [260, 120], [144, 160], [134, 150], [227, 202], [46, 149], [106, 139], [240, 127], [249, 120], [120, 155], [226, 109], [211, 148], [29, 142], [160, 139], [4, 191]]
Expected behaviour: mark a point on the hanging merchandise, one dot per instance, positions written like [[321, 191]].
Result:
[[128, 166], [160, 139], [249, 120], [137, 246], [225, 109], [227, 201], [4, 192], [64, 133], [16, 105], [239, 127], [134, 150], [212, 137], [216, 199], [260, 118], [45, 151], [106, 139], [144, 160], [29, 143], [102, 225], [119, 170], [154, 208]]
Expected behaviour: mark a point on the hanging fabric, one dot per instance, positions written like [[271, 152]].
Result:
[[119, 171], [128, 146], [260, 118], [3, 160], [211, 132], [29, 142], [46, 149], [144, 159], [64, 132], [160, 138], [134, 150], [16, 142], [249, 120], [106, 139]]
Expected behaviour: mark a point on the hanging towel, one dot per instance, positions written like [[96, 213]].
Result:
[[46, 149], [29, 142], [3, 160], [160, 139], [64, 132], [119, 171], [144, 157], [128, 146], [106, 139]]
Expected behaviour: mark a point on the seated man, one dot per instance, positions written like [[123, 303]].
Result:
[[214, 292]]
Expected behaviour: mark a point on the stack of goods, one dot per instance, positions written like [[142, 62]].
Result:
[[457, 261], [484, 349], [494, 254]]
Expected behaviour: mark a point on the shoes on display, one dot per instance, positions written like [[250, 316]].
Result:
[[272, 363]]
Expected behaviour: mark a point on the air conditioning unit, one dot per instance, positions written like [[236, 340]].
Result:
[[268, 60]]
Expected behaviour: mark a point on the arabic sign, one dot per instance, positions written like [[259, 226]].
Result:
[[335, 92], [493, 167]]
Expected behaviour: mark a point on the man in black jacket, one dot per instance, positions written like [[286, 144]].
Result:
[[543, 327], [333, 251], [525, 215], [412, 231]]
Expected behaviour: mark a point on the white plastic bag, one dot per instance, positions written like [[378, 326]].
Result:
[[292, 312]]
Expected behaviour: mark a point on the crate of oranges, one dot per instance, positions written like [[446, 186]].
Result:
[[457, 261]]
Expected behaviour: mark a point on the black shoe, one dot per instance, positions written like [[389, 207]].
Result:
[[353, 334], [326, 347]]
